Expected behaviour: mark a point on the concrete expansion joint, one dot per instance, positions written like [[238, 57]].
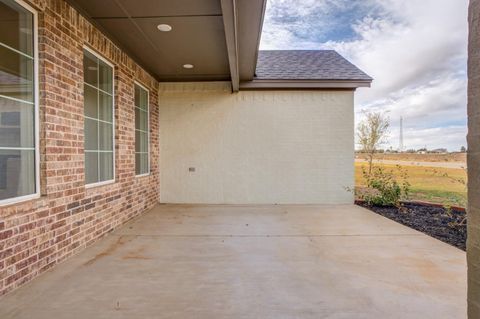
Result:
[[274, 236]]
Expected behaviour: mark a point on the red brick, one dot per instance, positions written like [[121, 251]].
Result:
[[68, 217], [26, 262], [6, 234]]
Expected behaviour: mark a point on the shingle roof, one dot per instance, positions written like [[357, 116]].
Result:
[[306, 65]]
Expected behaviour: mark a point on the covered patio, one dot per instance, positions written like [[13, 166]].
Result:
[[253, 261]]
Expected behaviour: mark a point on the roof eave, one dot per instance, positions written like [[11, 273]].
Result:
[[250, 16], [259, 84]]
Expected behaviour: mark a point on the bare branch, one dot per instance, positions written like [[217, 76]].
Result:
[[371, 133]]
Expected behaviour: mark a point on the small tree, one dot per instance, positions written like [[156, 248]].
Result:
[[384, 187], [463, 149], [371, 133]]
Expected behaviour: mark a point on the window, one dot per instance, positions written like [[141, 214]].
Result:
[[19, 168], [142, 161], [98, 110]]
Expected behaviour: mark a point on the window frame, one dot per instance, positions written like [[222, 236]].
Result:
[[148, 127], [36, 95], [103, 59]]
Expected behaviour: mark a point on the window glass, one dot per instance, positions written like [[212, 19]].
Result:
[[105, 77], [91, 101], [137, 95], [143, 100], [91, 134], [17, 124], [105, 107], [105, 136], [16, 75], [18, 150], [19, 23], [91, 167], [90, 68], [141, 131], [141, 162], [17, 173], [98, 110], [106, 169]]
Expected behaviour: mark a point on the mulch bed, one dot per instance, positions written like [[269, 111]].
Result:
[[432, 220]]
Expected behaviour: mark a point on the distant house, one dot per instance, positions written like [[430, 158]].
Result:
[[439, 151]]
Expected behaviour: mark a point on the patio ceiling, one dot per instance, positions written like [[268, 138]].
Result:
[[218, 37]]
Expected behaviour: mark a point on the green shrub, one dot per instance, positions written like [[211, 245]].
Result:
[[383, 188]]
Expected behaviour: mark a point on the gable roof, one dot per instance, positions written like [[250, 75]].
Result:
[[306, 69], [306, 65]]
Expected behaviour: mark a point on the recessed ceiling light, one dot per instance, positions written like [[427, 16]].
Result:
[[188, 66], [164, 27]]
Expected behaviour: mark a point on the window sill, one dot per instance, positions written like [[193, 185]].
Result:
[[18, 200], [94, 185], [143, 175]]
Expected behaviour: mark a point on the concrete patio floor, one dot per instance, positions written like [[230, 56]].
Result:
[[282, 261]]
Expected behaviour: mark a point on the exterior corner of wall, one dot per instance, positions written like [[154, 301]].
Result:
[[473, 160]]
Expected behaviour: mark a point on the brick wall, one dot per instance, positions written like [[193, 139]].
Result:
[[473, 245], [38, 234]]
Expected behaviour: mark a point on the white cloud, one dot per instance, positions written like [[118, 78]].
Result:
[[415, 51]]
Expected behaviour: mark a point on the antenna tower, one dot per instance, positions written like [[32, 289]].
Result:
[[401, 146]]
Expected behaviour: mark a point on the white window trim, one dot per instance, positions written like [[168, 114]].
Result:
[[100, 57], [35, 195], [148, 126]]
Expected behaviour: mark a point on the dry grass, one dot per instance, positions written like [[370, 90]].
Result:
[[451, 157], [437, 185]]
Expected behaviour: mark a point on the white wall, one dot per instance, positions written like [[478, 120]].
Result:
[[255, 146]]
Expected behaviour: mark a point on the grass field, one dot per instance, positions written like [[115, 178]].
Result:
[[450, 157], [436, 185]]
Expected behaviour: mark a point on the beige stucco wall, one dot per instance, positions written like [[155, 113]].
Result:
[[255, 146], [473, 245]]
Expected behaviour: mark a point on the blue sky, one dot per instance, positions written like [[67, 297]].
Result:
[[415, 50]]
